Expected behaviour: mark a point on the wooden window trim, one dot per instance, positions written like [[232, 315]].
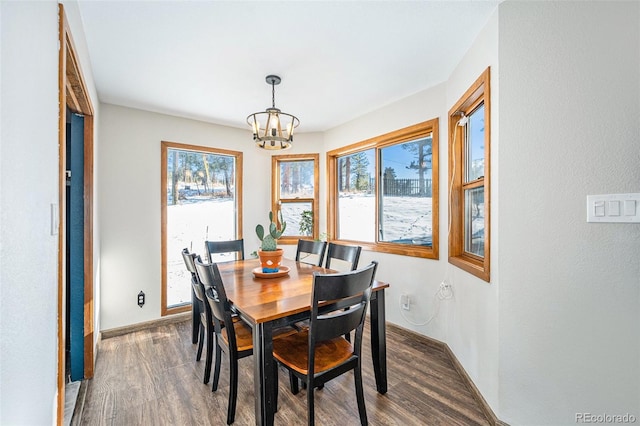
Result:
[[165, 146], [275, 193], [478, 93], [398, 136]]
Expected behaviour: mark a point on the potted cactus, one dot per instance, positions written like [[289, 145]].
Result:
[[269, 253]]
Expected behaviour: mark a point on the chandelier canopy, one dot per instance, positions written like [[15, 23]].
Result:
[[272, 128]]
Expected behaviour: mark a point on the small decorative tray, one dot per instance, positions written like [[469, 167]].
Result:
[[284, 270]]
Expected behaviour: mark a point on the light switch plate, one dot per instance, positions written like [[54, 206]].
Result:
[[614, 208]]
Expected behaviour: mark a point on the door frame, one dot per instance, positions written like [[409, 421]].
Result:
[[72, 92]]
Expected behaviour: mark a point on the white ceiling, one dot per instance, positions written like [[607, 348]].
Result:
[[338, 60]]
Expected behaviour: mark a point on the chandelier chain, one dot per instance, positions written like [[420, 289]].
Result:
[[273, 94]]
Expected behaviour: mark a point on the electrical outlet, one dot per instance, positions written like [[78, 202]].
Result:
[[405, 302], [141, 298], [445, 291]]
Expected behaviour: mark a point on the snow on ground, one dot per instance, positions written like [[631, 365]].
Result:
[[191, 224], [404, 218], [407, 218]]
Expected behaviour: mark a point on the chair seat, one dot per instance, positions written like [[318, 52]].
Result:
[[244, 337], [293, 351]]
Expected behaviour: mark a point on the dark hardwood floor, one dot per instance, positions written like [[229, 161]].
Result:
[[150, 377]]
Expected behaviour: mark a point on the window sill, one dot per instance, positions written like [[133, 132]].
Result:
[[473, 266], [426, 252]]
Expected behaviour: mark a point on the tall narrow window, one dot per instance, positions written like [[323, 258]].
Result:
[[201, 193], [469, 177], [295, 192], [383, 192], [356, 201]]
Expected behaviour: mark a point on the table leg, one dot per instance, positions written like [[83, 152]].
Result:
[[263, 376], [195, 317], [379, 340]]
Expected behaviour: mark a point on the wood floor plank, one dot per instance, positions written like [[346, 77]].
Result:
[[151, 377]]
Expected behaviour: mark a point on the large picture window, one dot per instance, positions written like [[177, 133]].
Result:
[[201, 193], [383, 192], [469, 177], [295, 193]]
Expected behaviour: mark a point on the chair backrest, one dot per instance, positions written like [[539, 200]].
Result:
[[220, 247], [189, 261], [198, 289], [342, 290], [350, 254], [308, 247], [216, 297]]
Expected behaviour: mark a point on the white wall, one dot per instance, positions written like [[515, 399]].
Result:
[[29, 185], [129, 201], [569, 290], [468, 323], [472, 321]]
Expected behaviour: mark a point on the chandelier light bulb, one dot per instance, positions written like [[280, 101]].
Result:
[[274, 121]]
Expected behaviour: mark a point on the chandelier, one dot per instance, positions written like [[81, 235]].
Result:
[[273, 129]]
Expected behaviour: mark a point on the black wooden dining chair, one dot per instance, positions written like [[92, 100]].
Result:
[[321, 353], [348, 257], [196, 304], [236, 341], [313, 249], [204, 318], [223, 247], [345, 253]]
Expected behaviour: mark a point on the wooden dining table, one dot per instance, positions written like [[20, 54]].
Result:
[[268, 303]]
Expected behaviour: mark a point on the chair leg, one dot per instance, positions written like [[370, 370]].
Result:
[[216, 370], [207, 365], [195, 317], [310, 406], [200, 343], [233, 390], [357, 374], [275, 386], [293, 383]]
